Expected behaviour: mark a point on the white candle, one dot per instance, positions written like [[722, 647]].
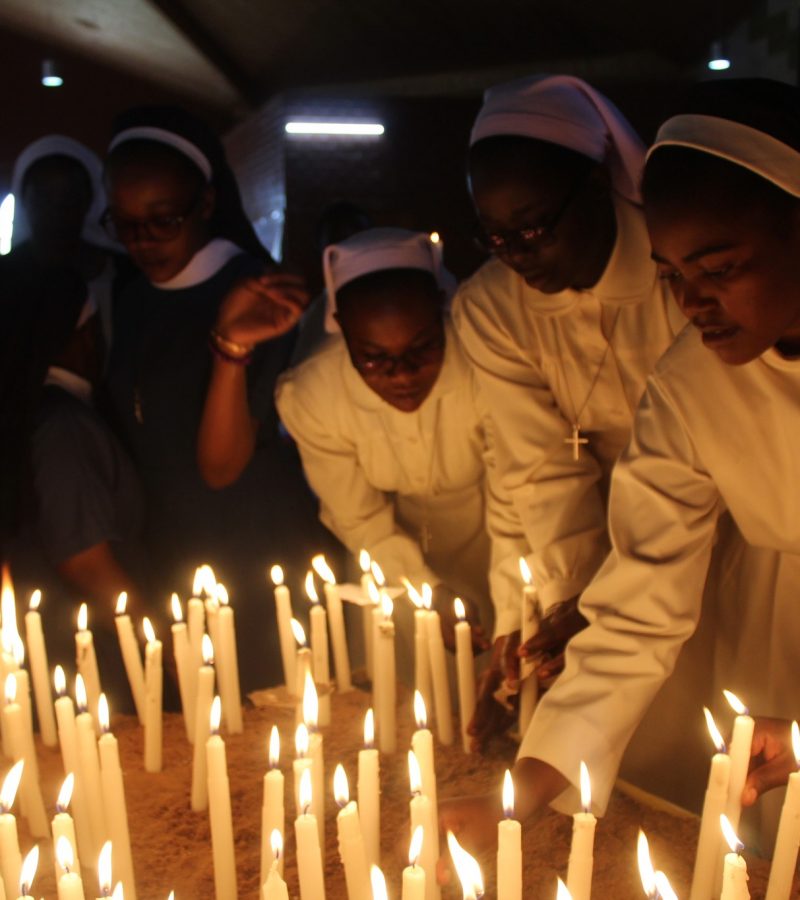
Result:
[[369, 798], [89, 764], [467, 869], [196, 618], [784, 857], [114, 797], [273, 887], [366, 610], [283, 615], [414, 875], [182, 651], [352, 850], [68, 876], [509, 847], [27, 873], [341, 657], [309, 855], [529, 687], [37, 653], [734, 874], [10, 857], [422, 662], [422, 816], [63, 826], [9, 634], [709, 842], [87, 661], [377, 885], [228, 665], [23, 685], [441, 684], [318, 622], [272, 811], [422, 745], [376, 617], [131, 657], [303, 666], [205, 695], [315, 752], [581, 854], [465, 664], [301, 764], [153, 684], [104, 871], [219, 810], [386, 676], [21, 744], [741, 741]]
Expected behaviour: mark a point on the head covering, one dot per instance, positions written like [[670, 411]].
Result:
[[566, 111], [59, 145], [176, 128], [753, 123], [376, 250]]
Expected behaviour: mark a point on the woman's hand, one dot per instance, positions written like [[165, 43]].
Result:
[[546, 648], [259, 308], [772, 758], [443, 597], [491, 716]]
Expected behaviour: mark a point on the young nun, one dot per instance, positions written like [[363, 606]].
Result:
[[393, 430], [181, 351], [715, 430]]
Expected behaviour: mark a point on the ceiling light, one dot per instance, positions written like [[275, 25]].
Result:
[[50, 76], [352, 129], [718, 60]]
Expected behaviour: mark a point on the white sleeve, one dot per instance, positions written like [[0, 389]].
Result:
[[642, 606]]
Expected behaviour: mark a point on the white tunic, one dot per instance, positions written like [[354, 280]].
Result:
[[383, 476], [545, 361], [707, 437]]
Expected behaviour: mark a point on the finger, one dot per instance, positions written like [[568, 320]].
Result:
[[283, 297], [552, 667], [764, 778]]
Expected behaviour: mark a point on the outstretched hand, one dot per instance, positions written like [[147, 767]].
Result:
[[262, 307], [772, 758], [443, 597], [493, 717], [546, 648]]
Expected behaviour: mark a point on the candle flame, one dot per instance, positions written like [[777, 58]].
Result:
[[28, 873], [646, 871], [735, 703], [104, 868], [298, 632], [415, 848], [83, 617], [413, 594], [8, 609], [508, 795], [177, 611], [65, 794], [65, 855], [311, 588], [221, 595], [414, 773], [149, 631], [562, 891], [369, 728], [731, 838], [301, 741], [364, 561], [374, 593], [427, 596], [122, 603], [119, 893], [59, 681], [387, 607], [341, 789], [36, 600], [18, 650], [664, 888], [796, 742], [276, 843], [377, 574], [274, 747], [586, 788], [378, 883], [467, 869], [276, 574], [11, 688], [716, 737], [305, 791], [80, 693], [435, 237], [321, 567], [204, 581], [216, 715], [420, 712], [525, 570], [458, 609], [103, 716], [310, 703], [207, 649], [8, 792]]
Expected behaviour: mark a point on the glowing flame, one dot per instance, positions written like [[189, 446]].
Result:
[[646, 871], [664, 888], [11, 688], [65, 794], [301, 741], [369, 728], [310, 703], [731, 838], [387, 607], [374, 593], [311, 588], [415, 848], [35, 601], [458, 609], [83, 617], [8, 608], [341, 789], [525, 570], [377, 574], [378, 883], [65, 855], [321, 567], [716, 737], [80, 693], [18, 650], [796, 742], [586, 788], [274, 747], [299, 634], [221, 595], [122, 603], [216, 715], [420, 713], [276, 843], [413, 594], [467, 868], [508, 795], [305, 791], [735, 703], [8, 792], [364, 561], [562, 892], [435, 237], [276, 574], [119, 893], [149, 632], [104, 868], [177, 611], [414, 773], [204, 581], [427, 596], [59, 681], [103, 717], [28, 873]]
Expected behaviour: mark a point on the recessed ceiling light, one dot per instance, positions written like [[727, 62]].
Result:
[[353, 129], [50, 75]]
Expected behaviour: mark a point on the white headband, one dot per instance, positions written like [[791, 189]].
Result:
[[162, 136], [737, 143]]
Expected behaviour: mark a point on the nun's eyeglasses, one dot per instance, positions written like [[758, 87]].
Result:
[[157, 228], [388, 363]]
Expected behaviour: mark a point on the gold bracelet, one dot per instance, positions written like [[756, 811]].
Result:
[[232, 348]]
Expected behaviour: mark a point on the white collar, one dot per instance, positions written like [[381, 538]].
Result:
[[202, 266], [70, 382]]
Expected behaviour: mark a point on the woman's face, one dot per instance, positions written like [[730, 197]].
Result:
[[160, 213], [56, 196], [734, 271]]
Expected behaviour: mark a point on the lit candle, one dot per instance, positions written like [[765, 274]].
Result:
[[352, 851], [20, 737], [529, 686], [664, 889], [23, 684], [561, 891], [309, 855], [365, 564], [114, 796], [131, 656], [465, 664], [300, 765], [274, 887], [369, 797], [377, 884], [8, 635], [422, 745], [741, 741], [302, 665], [441, 683], [734, 873], [153, 687], [182, 652], [63, 826], [341, 657], [315, 752], [272, 812], [784, 857], [210, 604], [104, 871], [205, 695], [37, 653], [386, 676], [87, 660], [196, 621], [422, 662], [581, 854], [283, 614], [89, 764], [509, 847], [28, 873], [228, 664], [422, 816], [219, 809], [375, 583], [709, 842], [318, 622], [10, 857], [68, 876], [414, 875], [467, 869]]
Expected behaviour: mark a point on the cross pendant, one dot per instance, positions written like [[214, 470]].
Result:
[[576, 440]]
